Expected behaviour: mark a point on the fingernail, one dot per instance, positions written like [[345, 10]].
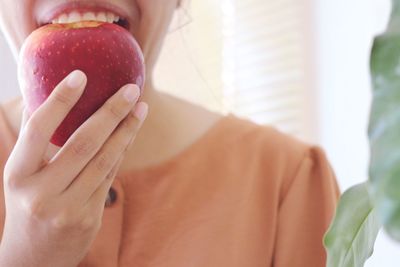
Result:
[[131, 93], [141, 110], [76, 79]]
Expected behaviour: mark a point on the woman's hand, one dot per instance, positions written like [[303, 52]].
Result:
[[54, 209]]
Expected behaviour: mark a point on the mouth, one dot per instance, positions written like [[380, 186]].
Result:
[[77, 12]]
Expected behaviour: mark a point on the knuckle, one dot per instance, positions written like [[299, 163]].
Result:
[[83, 146], [63, 220], [11, 178], [33, 123], [11, 182], [34, 208], [68, 221], [32, 132], [104, 162], [132, 123], [88, 223], [64, 97], [115, 111]]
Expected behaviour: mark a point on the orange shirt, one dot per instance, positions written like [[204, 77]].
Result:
[[243, 195]]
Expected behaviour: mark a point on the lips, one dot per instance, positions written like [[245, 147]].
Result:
[[85, 11]]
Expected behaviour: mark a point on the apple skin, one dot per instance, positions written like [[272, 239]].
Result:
[[107, 53]]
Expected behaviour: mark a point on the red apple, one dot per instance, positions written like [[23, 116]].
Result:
[[105, 52]]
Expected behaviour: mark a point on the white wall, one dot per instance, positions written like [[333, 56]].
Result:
[[345, 31]]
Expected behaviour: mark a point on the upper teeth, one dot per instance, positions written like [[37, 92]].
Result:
[[76, 17]]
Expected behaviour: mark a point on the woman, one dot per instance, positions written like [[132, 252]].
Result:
[[194, 189]]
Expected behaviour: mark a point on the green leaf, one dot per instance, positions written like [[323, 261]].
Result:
[[350, 239], [384, 128]]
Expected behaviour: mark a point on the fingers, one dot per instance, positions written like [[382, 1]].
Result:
[[99, 198], [83, 145], [39, 127], [104, 165], [25, 118], [52, 150]]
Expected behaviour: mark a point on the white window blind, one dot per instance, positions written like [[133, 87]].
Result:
[[266, 71], [249, 57]]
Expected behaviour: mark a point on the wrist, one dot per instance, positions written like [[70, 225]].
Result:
[[9, 258]]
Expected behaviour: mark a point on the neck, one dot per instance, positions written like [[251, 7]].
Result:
[[158, 110], [171, 125], [159, 126]]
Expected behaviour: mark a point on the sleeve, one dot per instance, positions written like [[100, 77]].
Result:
[[305, 212]]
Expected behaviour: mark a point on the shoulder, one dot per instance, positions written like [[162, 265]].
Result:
[[264, 142], [270, 153]]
